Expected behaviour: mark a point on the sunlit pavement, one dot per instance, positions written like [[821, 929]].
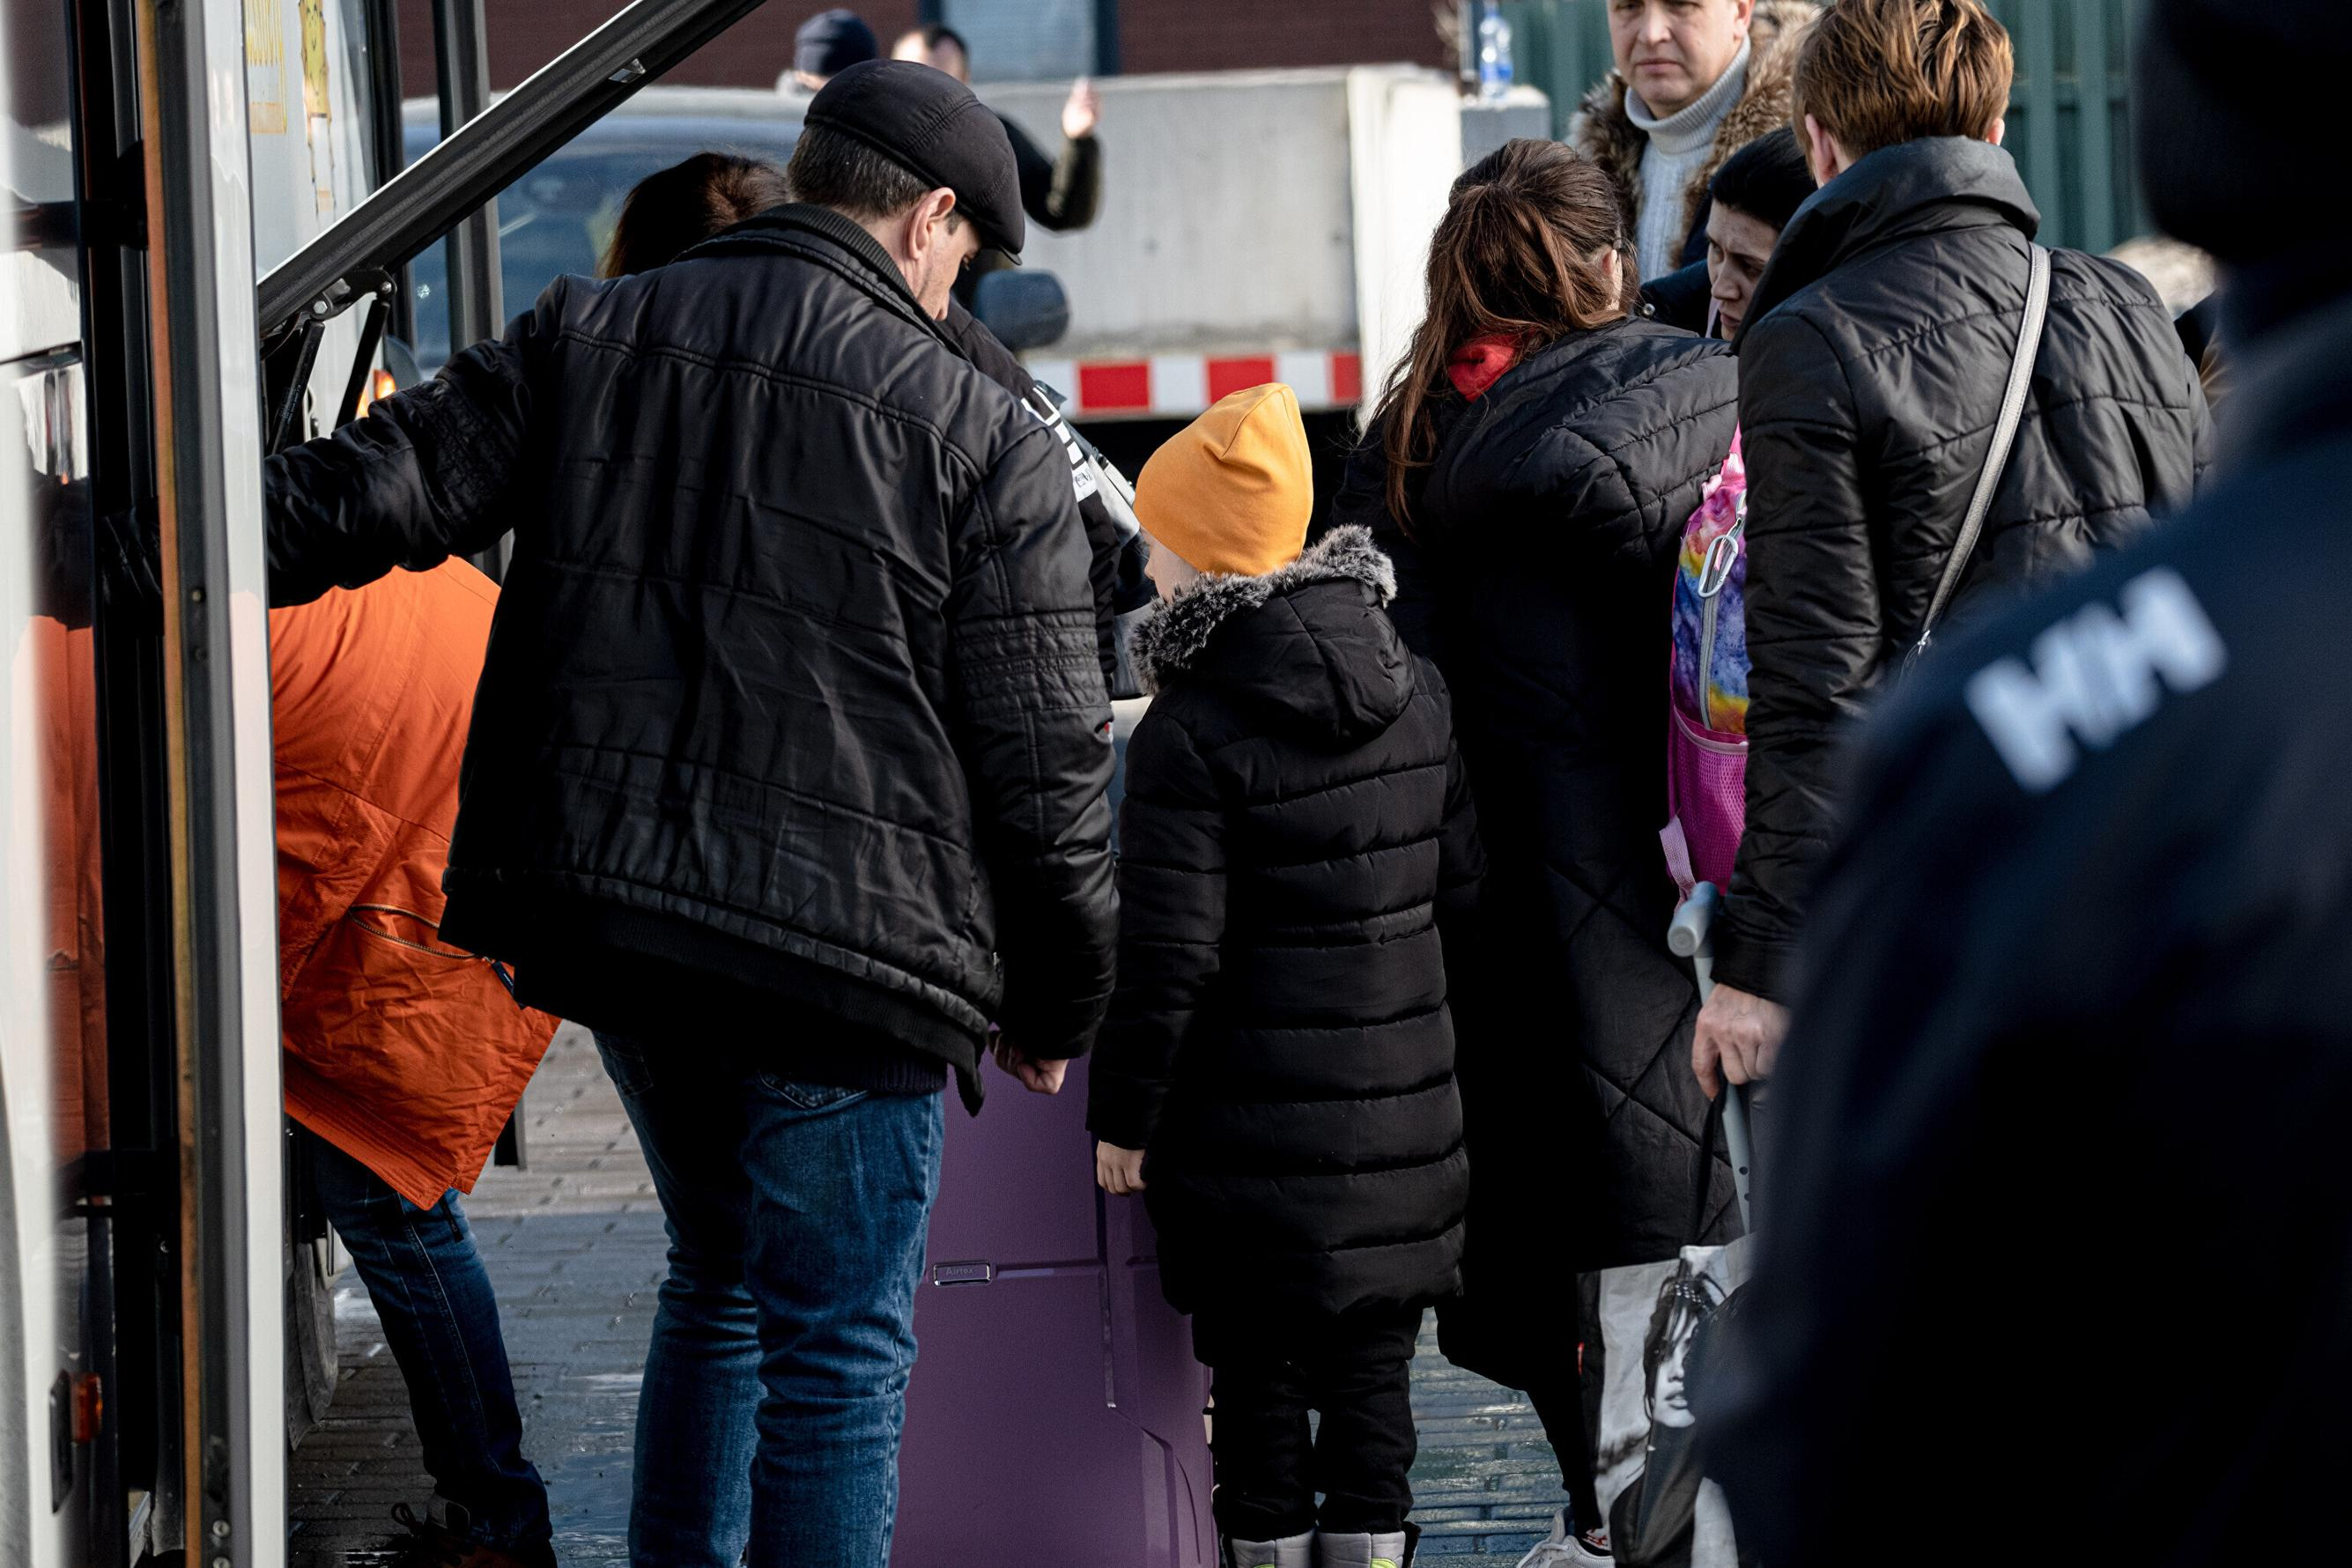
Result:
[[574, 1246]]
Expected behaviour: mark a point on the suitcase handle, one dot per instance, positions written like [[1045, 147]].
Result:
[[1691, 936]]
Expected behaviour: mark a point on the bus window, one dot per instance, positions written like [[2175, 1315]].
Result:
[[40, 305], [556, 219]]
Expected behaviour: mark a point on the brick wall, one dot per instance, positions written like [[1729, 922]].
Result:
[[1154, 36], [524, 35], [1236, 34]]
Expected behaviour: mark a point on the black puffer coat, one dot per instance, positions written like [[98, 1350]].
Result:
[[989, 355], [793, 698], [1538, 576], [1871, 375], [1295, 831]]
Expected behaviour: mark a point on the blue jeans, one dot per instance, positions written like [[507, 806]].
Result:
[[442, 1322], [776, 1384]]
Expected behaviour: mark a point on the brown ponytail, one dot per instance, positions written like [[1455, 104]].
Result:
[[1518, 255]]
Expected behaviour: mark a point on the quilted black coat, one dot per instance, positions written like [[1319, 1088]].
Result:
[[1295, 831], [793, 687], [1871, 375], [1538, 573]]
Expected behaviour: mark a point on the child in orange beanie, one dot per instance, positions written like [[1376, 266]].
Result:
[[1277, 1075]]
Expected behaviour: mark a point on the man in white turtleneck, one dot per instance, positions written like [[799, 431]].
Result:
[[1691, 88]]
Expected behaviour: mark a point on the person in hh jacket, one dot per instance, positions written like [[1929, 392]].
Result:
[[1530, 471], [403, 1056], [787, 765], [1277, 1073], [2070, 999], [1871, 374], [1694, 82]]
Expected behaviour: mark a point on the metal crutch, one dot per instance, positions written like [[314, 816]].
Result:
[[1690, 937]]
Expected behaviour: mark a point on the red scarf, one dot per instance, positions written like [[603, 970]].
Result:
[[1480, 362]]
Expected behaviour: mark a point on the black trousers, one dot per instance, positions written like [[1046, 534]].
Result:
[[1354, 1371]]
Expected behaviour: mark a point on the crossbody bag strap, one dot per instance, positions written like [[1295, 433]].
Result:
[[2004, 436]]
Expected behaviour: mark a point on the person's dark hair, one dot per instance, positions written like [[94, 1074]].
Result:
[[1684, 1302], [853, 177], [1518, 255], [1769, 179], [680, 207]]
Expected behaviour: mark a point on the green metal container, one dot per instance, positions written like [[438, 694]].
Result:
[[2069, 116]]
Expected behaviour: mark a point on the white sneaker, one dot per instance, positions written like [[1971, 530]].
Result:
[[1562, 1549], [1291, 1551], [1387, 1549]]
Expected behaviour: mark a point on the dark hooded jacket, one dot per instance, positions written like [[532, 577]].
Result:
[[792, 730], [1296, 830], [1536, 573], [1872, 369]]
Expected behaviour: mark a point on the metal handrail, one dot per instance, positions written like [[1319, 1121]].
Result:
[[492, 152]]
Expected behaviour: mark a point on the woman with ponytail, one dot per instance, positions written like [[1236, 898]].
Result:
[[1535, 457]]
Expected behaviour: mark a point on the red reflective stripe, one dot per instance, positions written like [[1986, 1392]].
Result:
[[1119, 385], [1347, 378], [1227, 376]]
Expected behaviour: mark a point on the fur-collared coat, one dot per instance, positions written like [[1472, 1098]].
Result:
[[1296, 830], [1604, 133]]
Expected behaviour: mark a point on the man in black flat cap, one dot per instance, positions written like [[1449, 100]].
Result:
[[787, 766]]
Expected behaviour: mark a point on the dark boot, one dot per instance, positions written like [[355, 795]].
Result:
[[433, 1544]]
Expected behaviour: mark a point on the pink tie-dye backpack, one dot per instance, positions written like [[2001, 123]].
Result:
[[1706, 736]]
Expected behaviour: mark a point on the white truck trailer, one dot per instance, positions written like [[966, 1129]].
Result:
[[1255, 225]]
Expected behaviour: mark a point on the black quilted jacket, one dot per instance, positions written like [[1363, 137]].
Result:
[[1538, 574], [793, 685], [1296, 829], [1871, 374]]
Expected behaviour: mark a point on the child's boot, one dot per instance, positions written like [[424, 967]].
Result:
[[1388, 1549], [1290, 1551]]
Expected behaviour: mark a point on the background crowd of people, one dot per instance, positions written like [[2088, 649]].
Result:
[[789, 762]]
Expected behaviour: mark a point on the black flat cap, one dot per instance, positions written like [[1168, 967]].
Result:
[[931, 123], [832, 41]]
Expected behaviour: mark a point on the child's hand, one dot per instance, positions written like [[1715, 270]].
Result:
[[1037, 1077], [1118, 1170]]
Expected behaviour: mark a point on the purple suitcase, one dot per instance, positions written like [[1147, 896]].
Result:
[[1055, 1412]]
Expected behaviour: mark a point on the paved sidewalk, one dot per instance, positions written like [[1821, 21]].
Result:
[[574, 1248]]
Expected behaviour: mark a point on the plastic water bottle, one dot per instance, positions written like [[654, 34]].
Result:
[[1494, 54]]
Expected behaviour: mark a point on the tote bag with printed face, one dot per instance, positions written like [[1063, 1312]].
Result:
[[1663, 1512]]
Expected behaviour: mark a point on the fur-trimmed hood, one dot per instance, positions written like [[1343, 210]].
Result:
[[1604, 133], [1310, 642]]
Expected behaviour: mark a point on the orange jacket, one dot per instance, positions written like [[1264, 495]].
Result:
[[404, 1053]]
